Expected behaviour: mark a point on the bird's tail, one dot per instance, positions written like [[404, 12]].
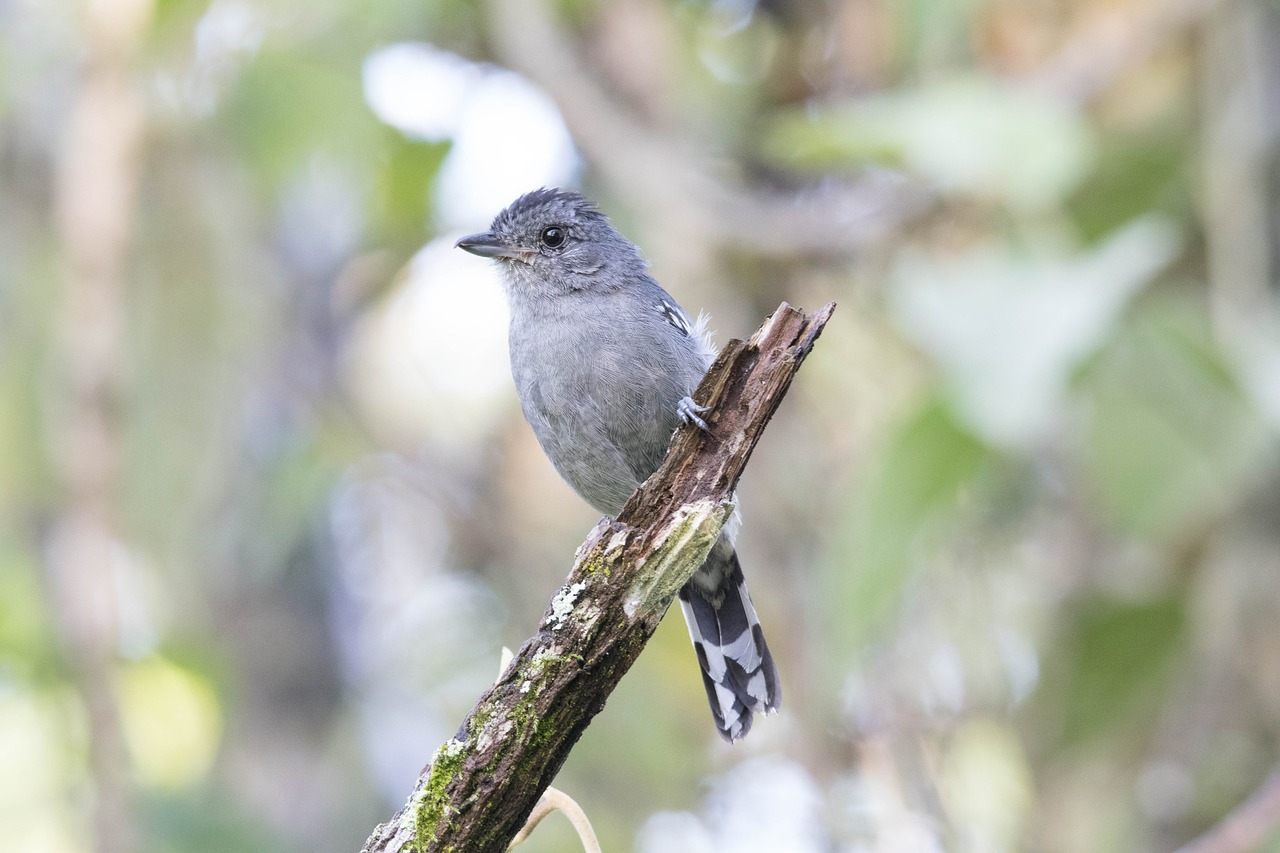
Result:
[[737, 668]]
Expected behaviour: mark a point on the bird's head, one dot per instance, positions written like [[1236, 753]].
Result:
[[551, 241]]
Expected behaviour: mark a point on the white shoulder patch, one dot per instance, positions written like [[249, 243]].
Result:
[[674, 316]]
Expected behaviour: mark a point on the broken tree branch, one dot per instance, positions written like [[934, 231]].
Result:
[[480, 786]]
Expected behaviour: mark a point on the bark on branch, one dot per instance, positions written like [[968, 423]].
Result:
[[481, 785]]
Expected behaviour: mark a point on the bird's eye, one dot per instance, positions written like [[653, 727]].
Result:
[[553, 237]]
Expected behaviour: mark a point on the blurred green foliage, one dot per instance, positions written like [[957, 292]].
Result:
[[1170, 434], [1118, 667], [919, 479]]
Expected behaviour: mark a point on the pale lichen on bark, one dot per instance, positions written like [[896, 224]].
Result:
[[678, 552], [562, 603]]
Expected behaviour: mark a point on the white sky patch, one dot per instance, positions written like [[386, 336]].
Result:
[[762, 805], [675, 831], [511, 140], [1258, 357], [1021, 665], [418, 89], [508, 135], [430, 362], [226, 36], [227, 28]]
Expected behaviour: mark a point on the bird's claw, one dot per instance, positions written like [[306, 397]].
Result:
[[689, 411]]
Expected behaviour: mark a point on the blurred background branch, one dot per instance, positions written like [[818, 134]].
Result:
[[1236, 165], [96, 187]]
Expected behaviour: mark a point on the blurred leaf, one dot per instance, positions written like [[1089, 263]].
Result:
[[1134, 176], [294, 486], [40, 771], [29, 303], [932, 34], [405, 176], [173, 23], [1007, 328], [24, 474], [172, 721], [1117, 665], [737, 48], [917, 480], [988, 783], [26, 641], [1234, 762], [973, 136], [207, 824], [1169, 435], [287, 108]]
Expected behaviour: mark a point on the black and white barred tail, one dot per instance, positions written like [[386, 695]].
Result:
[[737, 668]]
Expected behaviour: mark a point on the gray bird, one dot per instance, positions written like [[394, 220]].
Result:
[[605, 363]]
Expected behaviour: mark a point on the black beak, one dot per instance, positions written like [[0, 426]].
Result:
[[486, 245]]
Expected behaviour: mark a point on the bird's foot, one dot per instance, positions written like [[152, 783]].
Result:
[[689, 412]]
